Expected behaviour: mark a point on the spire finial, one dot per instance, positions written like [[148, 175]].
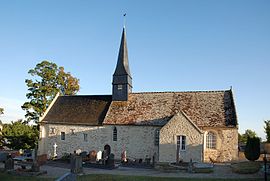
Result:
[[124, 15]]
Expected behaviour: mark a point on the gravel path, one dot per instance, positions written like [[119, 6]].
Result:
[[220, 171]]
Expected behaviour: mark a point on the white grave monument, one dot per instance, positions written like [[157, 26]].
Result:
[[54, 150], [99, 155]]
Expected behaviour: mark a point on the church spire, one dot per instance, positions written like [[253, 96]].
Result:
[[122, 81], [122, 67]]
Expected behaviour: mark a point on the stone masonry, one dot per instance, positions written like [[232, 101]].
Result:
[[180, 125], [137, 141], [226, 148]]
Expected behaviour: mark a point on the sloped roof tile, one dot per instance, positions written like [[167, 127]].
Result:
[[205, 108], [89, 110]]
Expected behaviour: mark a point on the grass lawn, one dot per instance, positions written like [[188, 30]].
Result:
[[8, 177], [104, 177], [146, 178]]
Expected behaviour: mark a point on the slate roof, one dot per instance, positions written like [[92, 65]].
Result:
[[204, 108], [122, 67], [87, 110]]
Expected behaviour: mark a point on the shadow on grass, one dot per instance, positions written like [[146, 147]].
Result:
[[8, 177], [103, 177]]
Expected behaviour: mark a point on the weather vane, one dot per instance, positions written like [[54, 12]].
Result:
[[124, 19]]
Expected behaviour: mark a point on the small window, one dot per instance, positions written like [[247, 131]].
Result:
[[63, 136], [211, 140], [181, 143], [72, 131], [114, 134], [85, 137], [52, 130], [120, 87], [157, 137]]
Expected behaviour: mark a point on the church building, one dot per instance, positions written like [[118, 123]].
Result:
[[173, 126]]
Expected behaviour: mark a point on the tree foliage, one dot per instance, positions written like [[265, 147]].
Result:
[[1, 137], [248, 133], [19, 135], [48, 79], [252, 150], [267, 130]]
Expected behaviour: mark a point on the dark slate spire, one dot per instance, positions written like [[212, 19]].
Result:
[[122, 67], [122, 81]]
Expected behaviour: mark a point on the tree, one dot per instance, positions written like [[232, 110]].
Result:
[[267, 130], [1, 137], [20, 135], [252, 150], [248, 133], [48, 79]]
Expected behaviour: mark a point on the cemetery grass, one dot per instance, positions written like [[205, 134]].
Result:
[[105, 177], [8, 177]]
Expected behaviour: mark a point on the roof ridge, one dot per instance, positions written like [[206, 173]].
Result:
[[84, 95], [213, 91]]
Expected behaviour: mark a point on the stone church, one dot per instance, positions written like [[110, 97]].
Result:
[[173, 126]]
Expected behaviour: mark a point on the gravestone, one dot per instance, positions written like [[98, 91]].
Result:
[[154, 159], [54, 150], [3, 156], [99, 155], [124, 157], [76, 164], [83, 155], [104, 157], [78, 151], [110, 160], [35, 167], [93, 156], [9, 164], [190, 165]]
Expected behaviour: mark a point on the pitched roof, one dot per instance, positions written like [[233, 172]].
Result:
[[88, 110], [204, 108]]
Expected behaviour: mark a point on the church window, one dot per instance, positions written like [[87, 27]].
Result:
[[63, 135], [157, 137], [181, 142], [211, 140], [52, 130], [120, 87], [85, 137], [114, 134]]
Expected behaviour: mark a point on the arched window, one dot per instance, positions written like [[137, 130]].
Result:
[[211, 140], [114, 134]]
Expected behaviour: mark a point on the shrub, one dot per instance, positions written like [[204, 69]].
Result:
[[252, 151]]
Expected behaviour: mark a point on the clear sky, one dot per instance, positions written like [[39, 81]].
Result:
[[173, 46]]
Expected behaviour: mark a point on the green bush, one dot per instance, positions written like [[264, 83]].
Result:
[[252, 151]]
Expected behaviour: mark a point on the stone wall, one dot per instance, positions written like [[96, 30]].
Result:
[[226, 147], [180, 125], [138, 141]]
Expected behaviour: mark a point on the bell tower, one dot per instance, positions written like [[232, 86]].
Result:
[[122, 81]]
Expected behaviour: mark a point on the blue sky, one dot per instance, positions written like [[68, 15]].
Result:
[[173, 46]]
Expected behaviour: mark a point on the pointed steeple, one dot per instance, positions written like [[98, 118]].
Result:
[[122, 81], [122, 67]]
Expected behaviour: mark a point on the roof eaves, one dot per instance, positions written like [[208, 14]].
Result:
[[50, 106]]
